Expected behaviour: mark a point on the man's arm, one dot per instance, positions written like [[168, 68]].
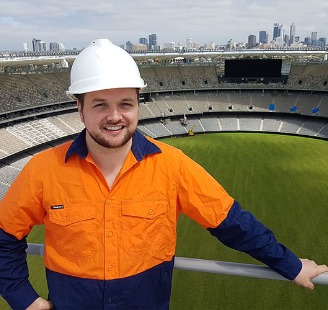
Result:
[[15, 287], [243, 232]]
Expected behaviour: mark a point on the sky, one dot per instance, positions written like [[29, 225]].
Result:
[[76, 23]]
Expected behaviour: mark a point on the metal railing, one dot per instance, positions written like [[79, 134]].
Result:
[[210, 266]]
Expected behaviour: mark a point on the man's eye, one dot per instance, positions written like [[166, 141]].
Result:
[[126, 104], [99, 104]]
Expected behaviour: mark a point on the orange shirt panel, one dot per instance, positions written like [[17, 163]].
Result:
[[98, 233]]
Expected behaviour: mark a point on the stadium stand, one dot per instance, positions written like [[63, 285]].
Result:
[[250, 122], [180, 99], [210, 123], [291, 124], [21, 91], [309, 76]]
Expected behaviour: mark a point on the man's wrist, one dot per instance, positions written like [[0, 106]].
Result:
[[21, 298]]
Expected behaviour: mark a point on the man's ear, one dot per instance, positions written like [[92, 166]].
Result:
[[79, 108]]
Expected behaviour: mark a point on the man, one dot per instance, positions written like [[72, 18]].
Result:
[[110, 203]]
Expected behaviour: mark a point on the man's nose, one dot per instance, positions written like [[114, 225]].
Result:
[[113, 114]]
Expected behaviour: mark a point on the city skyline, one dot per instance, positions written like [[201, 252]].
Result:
[[281, 37], [78, 23]]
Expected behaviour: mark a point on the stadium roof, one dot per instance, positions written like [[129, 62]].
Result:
[[299, 55], [295, 55]]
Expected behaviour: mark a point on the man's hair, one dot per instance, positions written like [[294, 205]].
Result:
[[80, 97]]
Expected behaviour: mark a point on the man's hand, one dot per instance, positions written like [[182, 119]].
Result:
[[309, 271], [40, 304]]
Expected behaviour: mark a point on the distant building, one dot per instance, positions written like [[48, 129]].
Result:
[[128, 46], [322, 42], [43, 46], [230, 44], [54, 47], [292, 34], [251, 41], [263, 37], [286, 39], [152, 45], [307, 41], [62, 47], [210, 46], [276, 31], [169, 45], [143, 41], [282, 32], [314, 38], [139, 47], [195, 46], [25, 47], [36, 45], [188, 43]]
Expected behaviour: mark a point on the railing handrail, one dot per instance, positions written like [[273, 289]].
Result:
[[211, 266]]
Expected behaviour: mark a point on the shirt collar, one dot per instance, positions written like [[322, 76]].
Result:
[[141, 146]]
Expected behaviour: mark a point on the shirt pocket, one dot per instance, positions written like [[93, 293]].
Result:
[[143, 227], [72, 231]]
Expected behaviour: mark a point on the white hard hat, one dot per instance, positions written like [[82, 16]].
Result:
[[103, 65]]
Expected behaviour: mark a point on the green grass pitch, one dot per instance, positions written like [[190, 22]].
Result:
[[283, 180]]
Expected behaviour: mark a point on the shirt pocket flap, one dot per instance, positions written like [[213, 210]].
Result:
[[71, 214], [144, 209]]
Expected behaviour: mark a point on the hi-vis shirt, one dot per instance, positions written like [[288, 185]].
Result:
[[113, 248]]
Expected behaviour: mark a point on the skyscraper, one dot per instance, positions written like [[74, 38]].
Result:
[[128, 46], [292, 34], [322, 42], [251, 41], [307, 41], [282, 32], [286, 39], [263, 37], [276, 31], [36, 45], [188, 43], [152, 42], [54, 47], [143, 41], [314, 38]]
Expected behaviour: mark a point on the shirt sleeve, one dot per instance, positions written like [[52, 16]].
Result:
[[200, 196], [15, 287], [20, 210], [243, 232]]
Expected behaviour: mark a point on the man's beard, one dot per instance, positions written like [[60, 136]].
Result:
[[106, 143]]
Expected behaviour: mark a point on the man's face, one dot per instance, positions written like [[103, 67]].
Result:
[[110, 116]]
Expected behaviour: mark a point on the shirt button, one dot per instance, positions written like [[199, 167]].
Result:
[[110, 268], [151, 211], [109, 300], [108, 201], [63, 219], [109, 234]]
